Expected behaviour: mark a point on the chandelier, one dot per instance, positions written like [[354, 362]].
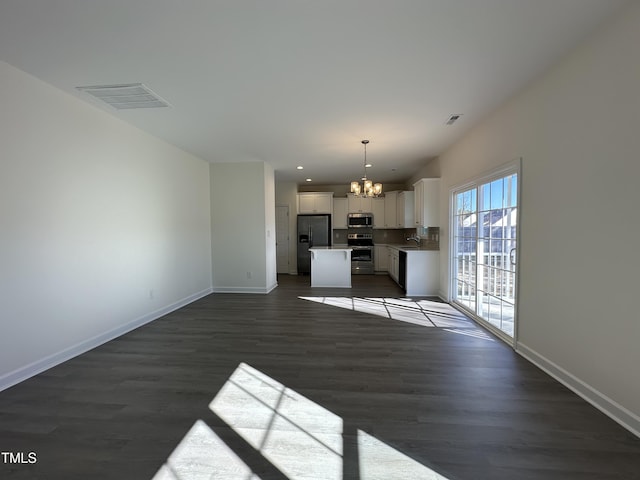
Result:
[[367, 188]]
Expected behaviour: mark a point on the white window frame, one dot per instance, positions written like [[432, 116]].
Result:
[[509, 168]]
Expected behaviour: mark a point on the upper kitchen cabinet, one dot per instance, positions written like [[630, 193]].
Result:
[[405, 210], [377, 209], [426, 196], [390, 213], [315, 202], [359, 204], [339, 219]]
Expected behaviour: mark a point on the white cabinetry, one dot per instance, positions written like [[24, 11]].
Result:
[[390, 213], [405, 210], [394, 262], [380, 258], [422, 273], [315, 202], [426, 196], [377, 208], [359, 204], [330, 267], [421, 270], [339, 219]]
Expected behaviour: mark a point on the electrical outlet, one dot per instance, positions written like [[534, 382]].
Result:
[[249, 275]]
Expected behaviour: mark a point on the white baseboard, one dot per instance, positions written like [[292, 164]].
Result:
[[39, 366], [261, 290], [609, 407]]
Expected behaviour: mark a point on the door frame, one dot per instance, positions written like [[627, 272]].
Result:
[[514, 166], [279, 228]]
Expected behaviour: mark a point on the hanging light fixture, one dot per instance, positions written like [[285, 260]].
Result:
[[367, 188]]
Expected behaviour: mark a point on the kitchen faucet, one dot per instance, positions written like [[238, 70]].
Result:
[[416, 238]]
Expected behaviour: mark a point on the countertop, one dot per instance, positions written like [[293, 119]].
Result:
[[410, 248]]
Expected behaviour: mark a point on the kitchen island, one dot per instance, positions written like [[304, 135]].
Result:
[[331, 267]]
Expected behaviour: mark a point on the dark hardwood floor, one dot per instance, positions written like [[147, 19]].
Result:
[[443, 397]]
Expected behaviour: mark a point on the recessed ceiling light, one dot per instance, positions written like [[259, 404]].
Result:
[[368, 165], [299, 167], [308, 179]]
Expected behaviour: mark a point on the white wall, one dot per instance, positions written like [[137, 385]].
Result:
[[577, 130], [243, 227], [430, 170], [102, 227]]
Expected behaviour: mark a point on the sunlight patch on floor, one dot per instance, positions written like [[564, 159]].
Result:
[[418, 312], [379, 461], [299, 438], [203, 455]]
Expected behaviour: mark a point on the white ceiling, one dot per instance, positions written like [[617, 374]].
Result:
[[301, 82]]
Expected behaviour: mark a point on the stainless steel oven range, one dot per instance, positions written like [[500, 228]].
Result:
[[362, 253]]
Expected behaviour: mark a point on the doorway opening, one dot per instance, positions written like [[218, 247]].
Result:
[[282, 239]]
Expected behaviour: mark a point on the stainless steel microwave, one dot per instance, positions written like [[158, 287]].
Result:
[[360, 220]]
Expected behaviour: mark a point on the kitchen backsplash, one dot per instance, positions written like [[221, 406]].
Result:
[[430, 240]]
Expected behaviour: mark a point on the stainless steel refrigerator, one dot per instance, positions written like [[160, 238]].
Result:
[[313, 231]]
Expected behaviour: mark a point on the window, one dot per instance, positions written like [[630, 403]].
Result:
[[484, 246]]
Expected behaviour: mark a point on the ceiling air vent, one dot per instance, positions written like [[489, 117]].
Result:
[[453, 118], [122, 97]]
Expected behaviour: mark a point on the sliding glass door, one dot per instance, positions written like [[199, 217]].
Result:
[[484, 267]]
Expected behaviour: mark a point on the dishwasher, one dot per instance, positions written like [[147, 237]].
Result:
[[402, 269]]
